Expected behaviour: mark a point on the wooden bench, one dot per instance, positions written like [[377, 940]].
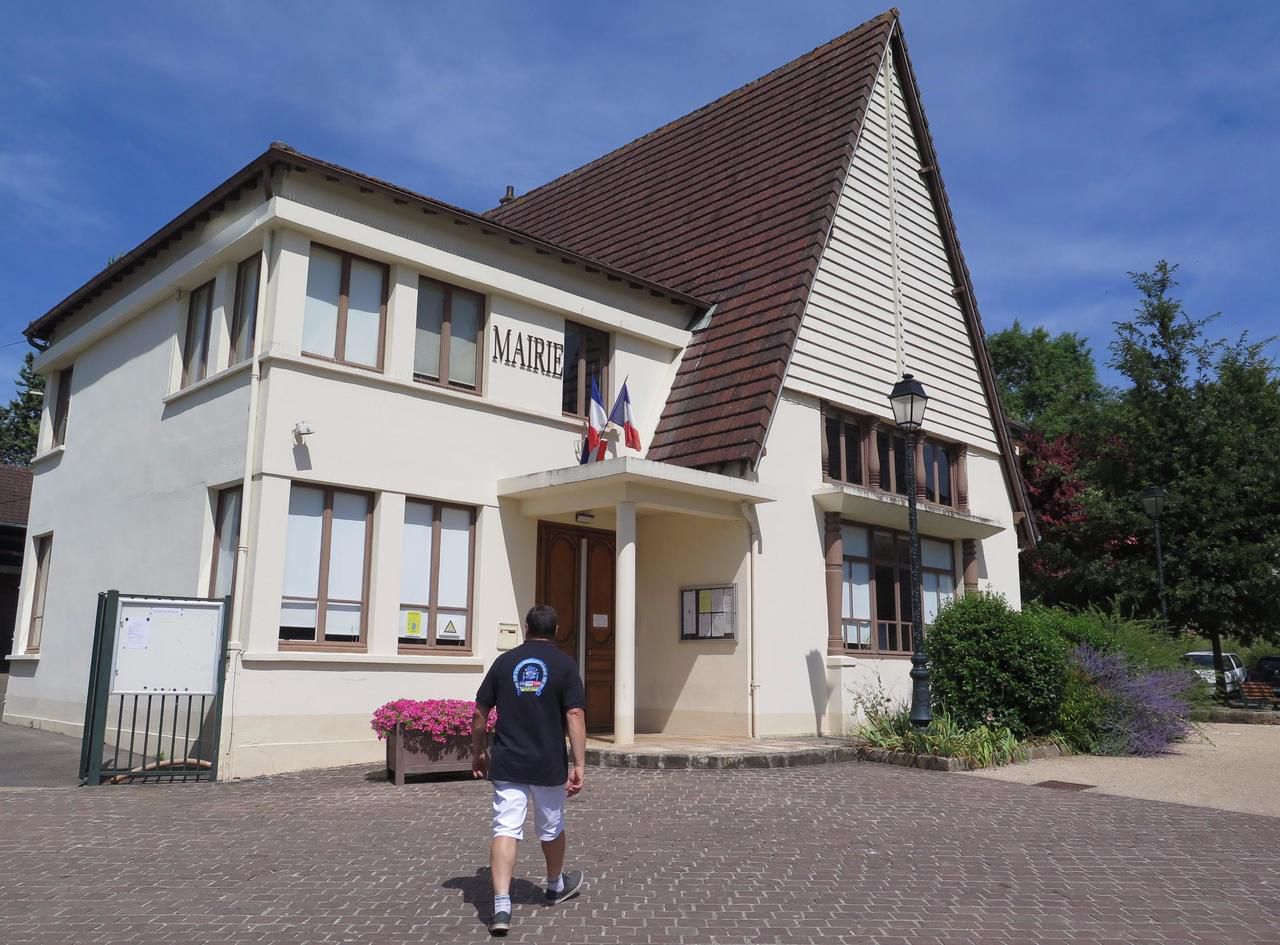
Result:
[[1259, 695]]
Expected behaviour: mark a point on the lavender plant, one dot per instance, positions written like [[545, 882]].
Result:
[[1139, 712]]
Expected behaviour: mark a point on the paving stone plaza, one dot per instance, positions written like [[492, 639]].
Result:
[[847, 852]]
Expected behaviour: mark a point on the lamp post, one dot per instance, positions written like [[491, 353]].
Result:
[[909, 400], [1153, 502]]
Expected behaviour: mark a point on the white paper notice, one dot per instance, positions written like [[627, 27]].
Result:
[[599, 620], [720, 625], [690, 613], [704, 625], [136, 635]]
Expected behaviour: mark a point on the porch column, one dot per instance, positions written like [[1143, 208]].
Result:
[[624, 634]]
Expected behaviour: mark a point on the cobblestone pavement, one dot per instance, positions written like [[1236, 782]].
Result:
[[837, 853]]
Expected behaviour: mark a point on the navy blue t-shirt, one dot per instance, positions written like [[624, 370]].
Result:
[[532, 686]]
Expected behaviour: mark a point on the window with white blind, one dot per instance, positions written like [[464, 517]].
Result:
[[324, 600], [344, 318], [448, 336], [436, 576], [876, 590]]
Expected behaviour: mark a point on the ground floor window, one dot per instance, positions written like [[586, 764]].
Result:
[[326, 571], [43, 551], [226, 541], [436, 576], [876, 590]]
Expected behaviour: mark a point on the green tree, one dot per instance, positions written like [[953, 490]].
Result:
[[1200, 418], [1047, 382], [20, 419]]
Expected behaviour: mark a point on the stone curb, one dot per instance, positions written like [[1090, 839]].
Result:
[[885, 756], [1236, 716], [677, 760], [667, 760]]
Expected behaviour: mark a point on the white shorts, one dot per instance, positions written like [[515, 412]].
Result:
[[511, 805]]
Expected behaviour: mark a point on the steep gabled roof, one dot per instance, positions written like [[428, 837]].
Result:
[[731, 203]]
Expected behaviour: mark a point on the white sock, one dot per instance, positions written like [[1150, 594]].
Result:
[[501, 904], [557, 884]]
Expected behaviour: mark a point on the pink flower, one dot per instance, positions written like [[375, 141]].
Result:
[[442, 719]]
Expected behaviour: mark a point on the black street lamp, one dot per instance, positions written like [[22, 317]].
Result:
[[1153, 502], [909, 400]]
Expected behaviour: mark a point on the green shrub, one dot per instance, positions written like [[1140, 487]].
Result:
[[992, 666], [1080, 720], [1075, 628], [886, 725]]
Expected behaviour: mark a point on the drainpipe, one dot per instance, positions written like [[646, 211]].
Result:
[[753, 544], [248, 513]]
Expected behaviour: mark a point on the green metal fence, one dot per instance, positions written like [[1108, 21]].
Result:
[[160, 736]]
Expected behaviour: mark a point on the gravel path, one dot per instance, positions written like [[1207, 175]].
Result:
[[1233, 767]]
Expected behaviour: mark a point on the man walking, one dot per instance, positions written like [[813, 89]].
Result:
[[539, 695]]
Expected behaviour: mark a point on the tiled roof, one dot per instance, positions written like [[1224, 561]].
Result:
[[15, 495], [731, 203]]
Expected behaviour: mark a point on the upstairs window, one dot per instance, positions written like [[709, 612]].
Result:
[[842, 461], [61, 407], [937, 472], [446, 348], [346, 309], [892, 448], [195, 349], [586, 357], [244, 315]]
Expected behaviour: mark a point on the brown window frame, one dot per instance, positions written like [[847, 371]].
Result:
[[244, 328], [322, 600], [584, 396], [61, 408], [446, 336], [218, 508], [903, 621], [42, 552], [935, 495], [201, 369], [433, 608], [344, 300], [869, 431], [847, 421]]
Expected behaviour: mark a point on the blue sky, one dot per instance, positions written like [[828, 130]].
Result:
[[1078, 141]]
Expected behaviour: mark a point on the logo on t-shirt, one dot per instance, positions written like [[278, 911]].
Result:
[[530, 676]]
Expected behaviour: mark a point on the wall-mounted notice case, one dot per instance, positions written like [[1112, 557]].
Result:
[[709, 612]]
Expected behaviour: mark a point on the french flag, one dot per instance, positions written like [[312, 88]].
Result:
[[623, 417], [593, 448]]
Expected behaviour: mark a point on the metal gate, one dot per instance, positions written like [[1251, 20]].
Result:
[[156, 677]]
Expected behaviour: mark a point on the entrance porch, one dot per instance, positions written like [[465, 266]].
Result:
[[623, 545]]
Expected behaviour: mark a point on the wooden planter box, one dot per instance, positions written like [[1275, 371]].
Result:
[[411, 753]]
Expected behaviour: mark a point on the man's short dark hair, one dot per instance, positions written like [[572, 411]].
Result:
[[541, 621]]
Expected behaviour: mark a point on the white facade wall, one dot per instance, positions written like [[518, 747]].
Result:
[[127, 499]]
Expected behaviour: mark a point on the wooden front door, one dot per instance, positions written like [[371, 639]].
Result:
[[575, 576]]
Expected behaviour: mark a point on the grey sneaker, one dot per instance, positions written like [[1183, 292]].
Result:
[[500, 924], [572, 886]]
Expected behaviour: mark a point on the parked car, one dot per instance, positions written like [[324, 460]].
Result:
[[1232, 668], [1266, 670]]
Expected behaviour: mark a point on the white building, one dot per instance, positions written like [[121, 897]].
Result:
[[358, 410]]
